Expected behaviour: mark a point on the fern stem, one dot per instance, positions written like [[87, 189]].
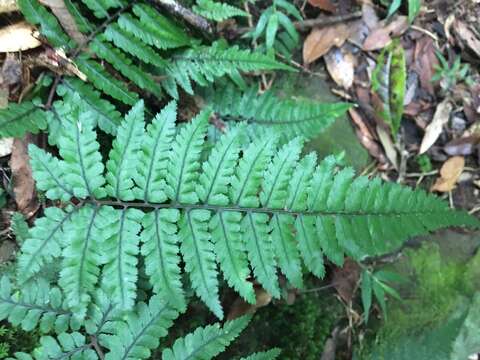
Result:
[[270, 211]]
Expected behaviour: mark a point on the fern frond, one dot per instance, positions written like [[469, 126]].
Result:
[[128, 43], [82, 159], [36, 304], [266, 113], [119, 277], [257, 205], [17, 119], [199, 256], [100, 8], [154, 28], [266, 355], [107, 116], [49, 26], [152, 165], [121, 164], [49, 174], [204, 64], [82, 23], [102, 80], [44, 244], [19, 227], [160, 249], [206, 343], [139, 333], [82, 256], [125, 66], [212, 10], [183, 165]]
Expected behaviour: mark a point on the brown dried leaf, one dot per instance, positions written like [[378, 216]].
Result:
[[449, 174], [381, 37], [18, 37], [434, 129], [467, 36], [365, 137], [320, 41], [340, 65], [240, 307], [425, 61], [11, 72], [345, 279], [23, 183], [325, 5], [388, 145]]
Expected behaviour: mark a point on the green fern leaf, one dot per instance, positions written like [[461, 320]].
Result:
[[125, 66], [206, 343], [199, 256], [267, 113], [65, 346], [102, 80], [153, 160], [49, 26], [183, 164], [160, 249], [100, 7], [128, 43], [228, 240], [204, 64], [44, 243], [122, 157], [82, 256], [35, 305], [49, 174], [139, 333], [121, 248], [255, 205], [17, 119], [79, 148], [275, 187], [19, 227], [107, 116], [217, 11], [82, 23], [266, 355], [154, 28]]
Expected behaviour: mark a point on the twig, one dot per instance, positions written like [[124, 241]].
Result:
[[51, 94], [188, 15], [97, 347], [311, 23]]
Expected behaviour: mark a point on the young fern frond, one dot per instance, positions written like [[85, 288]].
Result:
[[256, 202], [17, 119], [207, 342], [217, 11], [266, 113]]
